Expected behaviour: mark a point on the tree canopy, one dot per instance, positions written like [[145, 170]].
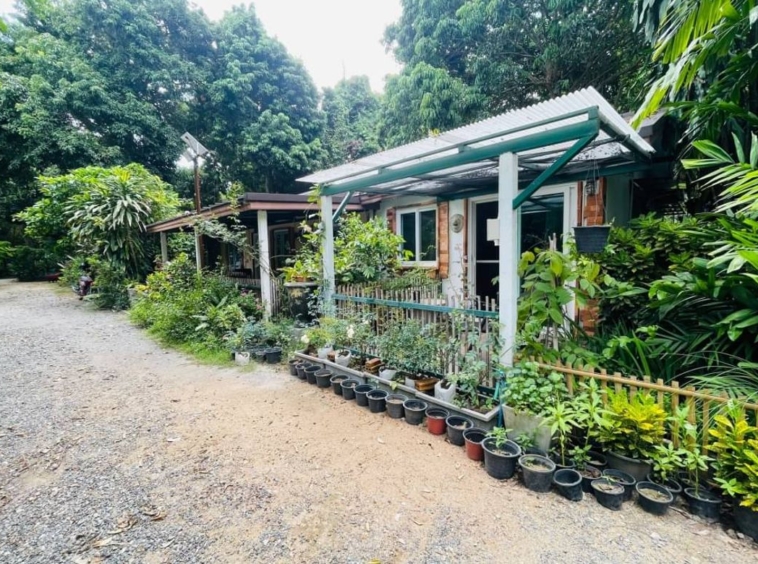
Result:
[[466, 59]]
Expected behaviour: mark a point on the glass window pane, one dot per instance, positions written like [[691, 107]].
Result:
[[408, 232], [541, 218], [428, 250]]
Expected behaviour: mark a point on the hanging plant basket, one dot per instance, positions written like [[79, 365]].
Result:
[[592, 239]]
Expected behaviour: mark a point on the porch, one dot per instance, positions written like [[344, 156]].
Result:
[[534, 173]]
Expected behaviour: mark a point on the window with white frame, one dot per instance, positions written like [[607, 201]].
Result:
[[418, 227]]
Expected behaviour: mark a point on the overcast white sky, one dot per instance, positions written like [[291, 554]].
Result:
[[333, 38]]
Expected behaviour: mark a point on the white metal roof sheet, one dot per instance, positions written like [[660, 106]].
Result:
[[418, 151]]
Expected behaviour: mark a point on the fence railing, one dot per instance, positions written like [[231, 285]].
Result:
[[455, 320], [701, 405]]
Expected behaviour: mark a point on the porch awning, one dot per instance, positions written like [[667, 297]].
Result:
[[540, 134]]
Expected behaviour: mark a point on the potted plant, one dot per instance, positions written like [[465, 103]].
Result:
[[591, 239], [608, 493], [528, 395], [736, 465], [654, 498], [537, 472], [473, 438], [318, 338], [560, 419], [500, 454], [631, 430]]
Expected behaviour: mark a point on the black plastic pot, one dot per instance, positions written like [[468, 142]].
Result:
[[567, 464], [361, 394], [273, 355], [537, 472], [591, 239], [623, 479], [324, 378], [747, 521], [300, 368], [377, 401], [587, 480], [414, 411], [456, 424], [348, 388], [608, 493], [569, 484], [258, 353], [293, 366], [500, 463], [597, 460], [671, 485], [648, 494], [637, 469], [703, 503], [394, 403], [310, 373], [336, 382]]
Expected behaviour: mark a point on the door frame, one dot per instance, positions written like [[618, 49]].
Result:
[[570, 217]]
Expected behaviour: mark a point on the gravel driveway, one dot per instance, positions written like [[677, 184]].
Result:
[[115, 450]]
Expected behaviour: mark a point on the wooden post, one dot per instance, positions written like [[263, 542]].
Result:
[[164, 247], [509, 242], [327, 253], [265, 263]]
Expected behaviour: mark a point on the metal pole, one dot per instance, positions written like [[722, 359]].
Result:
[[198, 236]]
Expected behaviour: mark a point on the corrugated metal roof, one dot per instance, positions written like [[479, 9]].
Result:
[[501, 128]]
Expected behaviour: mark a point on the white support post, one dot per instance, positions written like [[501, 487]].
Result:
[[164, 247], [509, 242], [265, 262], [198, 250], [327, 252]]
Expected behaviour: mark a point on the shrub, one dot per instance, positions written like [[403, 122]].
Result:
[[31, 263], [529, 391]]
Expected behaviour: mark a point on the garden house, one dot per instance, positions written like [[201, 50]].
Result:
[[470, 200], [271, 224]]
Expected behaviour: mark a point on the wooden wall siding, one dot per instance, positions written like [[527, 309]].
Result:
[[391, 220], [443, 239], [701, 405]]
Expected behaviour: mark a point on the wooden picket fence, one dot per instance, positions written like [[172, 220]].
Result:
[[701, 405], [429, 305]]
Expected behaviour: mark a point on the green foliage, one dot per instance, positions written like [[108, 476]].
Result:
[[364, 251], [529, 391], [31, 263], [551, 280], [101, 212], [705, 48], [633, 427], [6, 252], [352, 118], [109, 286], [179, 306], [736, 450], [408, 345], [464, 59], [500, 436], [562, 419]]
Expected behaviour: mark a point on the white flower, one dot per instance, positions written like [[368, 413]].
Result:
[[305, 340], [351, 331]]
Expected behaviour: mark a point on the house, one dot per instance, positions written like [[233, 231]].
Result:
[[470, 200], [271, 223]]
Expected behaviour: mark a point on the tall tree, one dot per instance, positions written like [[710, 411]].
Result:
[[509, 53], [351, 110], [266, 122]]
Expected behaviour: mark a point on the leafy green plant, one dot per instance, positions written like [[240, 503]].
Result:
[[499, 436], [736, 451], [561, 417], [529, 391], [633, 427]]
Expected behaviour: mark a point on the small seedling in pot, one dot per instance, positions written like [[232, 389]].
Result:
[[500, 437]]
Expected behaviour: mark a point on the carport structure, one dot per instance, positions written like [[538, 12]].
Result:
[[563, 138]]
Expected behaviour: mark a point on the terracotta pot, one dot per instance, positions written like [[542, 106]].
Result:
[[473, 438], [435, 420]]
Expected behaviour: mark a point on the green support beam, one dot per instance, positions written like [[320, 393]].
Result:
[[562, 134], [342, 206], [559, 163]]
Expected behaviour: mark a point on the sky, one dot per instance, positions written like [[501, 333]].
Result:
[[333, 38]]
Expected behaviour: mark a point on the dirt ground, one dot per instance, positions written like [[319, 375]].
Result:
[[113, 449]]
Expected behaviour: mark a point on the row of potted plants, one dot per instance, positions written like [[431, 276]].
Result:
[[611, 449]]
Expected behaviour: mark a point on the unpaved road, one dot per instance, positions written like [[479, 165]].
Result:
[[115, 450]]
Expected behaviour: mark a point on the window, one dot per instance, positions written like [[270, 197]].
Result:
[[419, 229]]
